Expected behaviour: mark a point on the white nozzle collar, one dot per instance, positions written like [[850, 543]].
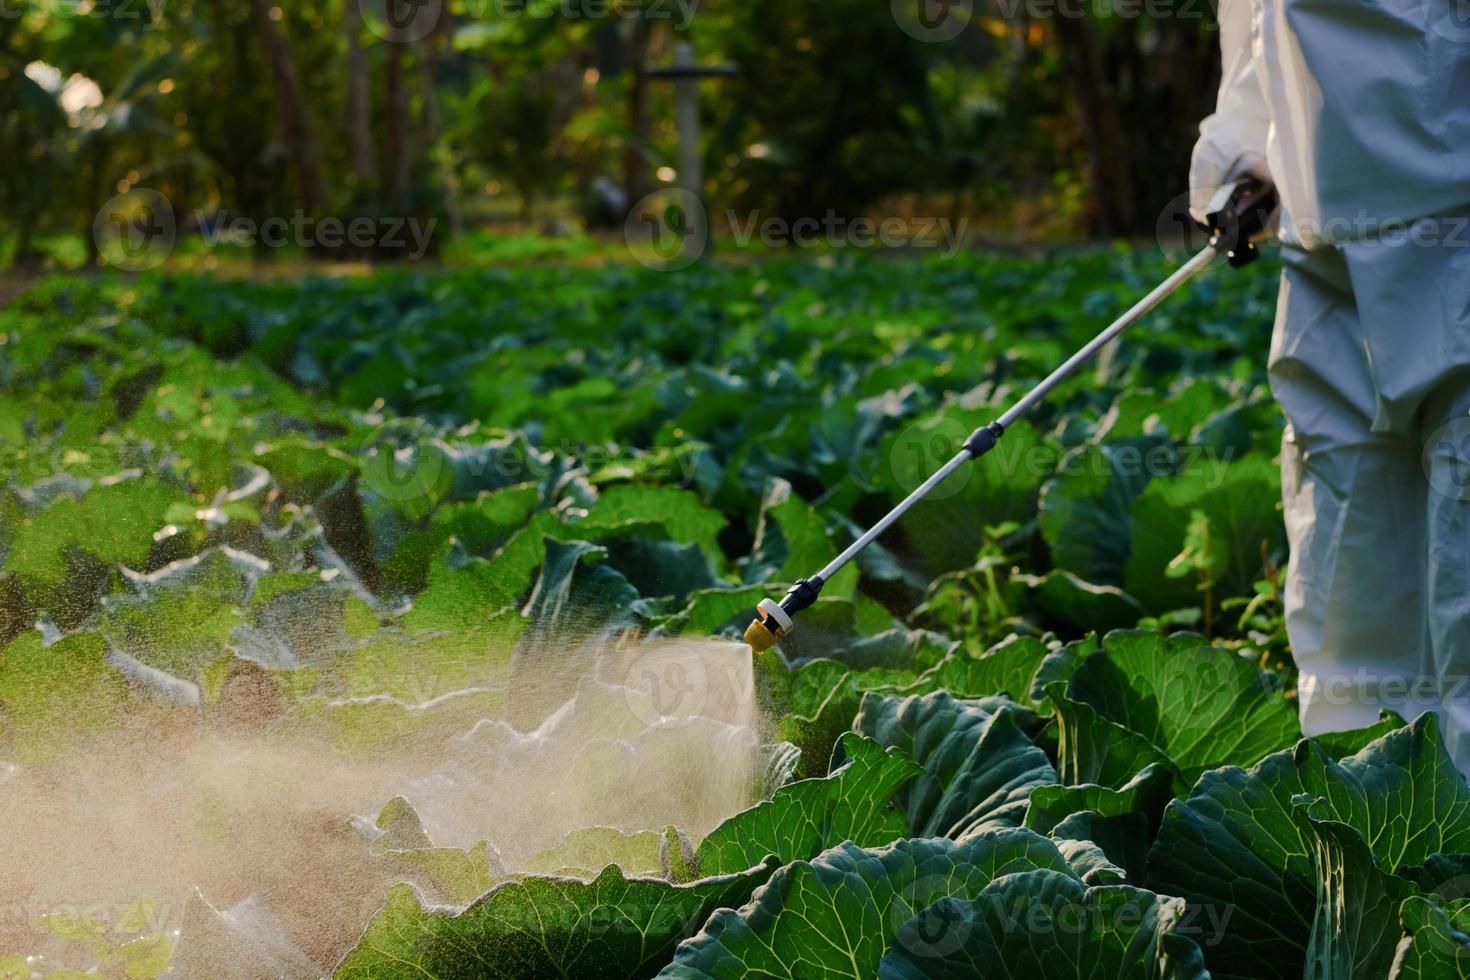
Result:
[[771, 609]]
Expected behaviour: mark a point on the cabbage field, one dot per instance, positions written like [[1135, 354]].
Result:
[[387, 626]]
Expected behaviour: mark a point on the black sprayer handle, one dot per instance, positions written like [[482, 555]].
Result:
[[1239, 214], [802, 595]]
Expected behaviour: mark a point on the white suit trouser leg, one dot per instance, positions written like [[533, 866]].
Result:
[[1371, 363]]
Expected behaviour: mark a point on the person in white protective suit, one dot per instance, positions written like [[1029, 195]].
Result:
[[1359, 112]]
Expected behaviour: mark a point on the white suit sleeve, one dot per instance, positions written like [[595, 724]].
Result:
[[1232, 141]]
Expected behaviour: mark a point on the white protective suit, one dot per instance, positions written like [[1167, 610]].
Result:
[[1359, 110]]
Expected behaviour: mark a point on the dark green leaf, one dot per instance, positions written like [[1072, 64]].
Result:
[[1048, 924], [979, 767]]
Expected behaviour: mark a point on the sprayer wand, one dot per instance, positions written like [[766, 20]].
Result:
[[1239, 216]]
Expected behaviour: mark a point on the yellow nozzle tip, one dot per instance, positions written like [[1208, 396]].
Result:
[[759, 638]]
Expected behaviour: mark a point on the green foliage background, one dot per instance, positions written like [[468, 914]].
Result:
[[1061, 688]]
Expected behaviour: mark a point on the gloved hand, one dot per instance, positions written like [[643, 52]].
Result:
[[1217, 163]]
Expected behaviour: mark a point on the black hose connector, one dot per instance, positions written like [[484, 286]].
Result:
[[1239, 214], [802, 595], [983, 439]]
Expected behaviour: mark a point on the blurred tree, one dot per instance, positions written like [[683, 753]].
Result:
[[1140, 87], [292, 108], [123, 115], [822, 116], [32, 128], [396, 158], [359, 99], [514, 135], [636, 150], [244, 176], [512, 122], [1068, 117], [432, 123]]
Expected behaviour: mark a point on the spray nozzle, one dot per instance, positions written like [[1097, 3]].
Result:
[[773, 619], [770, 624]]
